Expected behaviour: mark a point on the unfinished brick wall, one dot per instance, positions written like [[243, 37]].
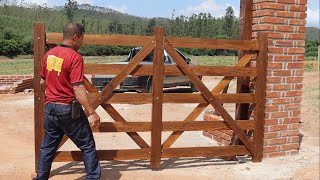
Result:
[[10, 84], [285, 22]]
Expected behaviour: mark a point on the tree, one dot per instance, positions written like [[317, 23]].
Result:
[[229, 18], [71, 6], [150, 27]]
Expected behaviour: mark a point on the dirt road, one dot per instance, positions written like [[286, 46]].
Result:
[[17, 146]]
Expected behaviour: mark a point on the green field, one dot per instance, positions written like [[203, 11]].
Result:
[[24, 65]]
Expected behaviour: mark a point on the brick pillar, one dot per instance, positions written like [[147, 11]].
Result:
[[285, 22]]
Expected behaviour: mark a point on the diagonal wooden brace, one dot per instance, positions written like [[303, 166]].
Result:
[[209, 97], [116, 116], [111, 86], [201, 107]]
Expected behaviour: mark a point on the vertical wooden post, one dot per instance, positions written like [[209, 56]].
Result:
[[39, 51], [157, 94], [242, 110], [260, 94], [246, 7]]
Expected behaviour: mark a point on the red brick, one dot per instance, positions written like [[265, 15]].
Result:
[[281, 101], [286, 1], [284, 43], [300, 43], [296, 50], [272, 20], [297, 100], [276, 154], [279, 114], [285, 14], [276, 35], [294, 139], [287, 147], [294, 79], [296, 65], [265, 27], [293, 93], [298, 72], [270, 149], [271, 135], [275, 65], [291, 120], [302, 15], [301, 8], [296, 112], [277, 141], [297, 22], [283, 58], [298, 86], [274, 6], [290, 133], [281, 87], [272, 94], [282, 72], [299, 57], [296, 36], [271, 121], [263, 13], [272, 108]]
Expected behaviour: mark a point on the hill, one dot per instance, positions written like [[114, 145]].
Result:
[[313, 33]]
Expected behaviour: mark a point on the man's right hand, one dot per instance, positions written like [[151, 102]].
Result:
[[94, 120]]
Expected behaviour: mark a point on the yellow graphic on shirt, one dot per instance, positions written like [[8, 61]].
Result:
[[54, 63]]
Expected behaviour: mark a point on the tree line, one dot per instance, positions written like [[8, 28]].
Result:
[[16, 27]]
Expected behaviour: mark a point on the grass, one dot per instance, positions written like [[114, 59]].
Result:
[[24, 65]]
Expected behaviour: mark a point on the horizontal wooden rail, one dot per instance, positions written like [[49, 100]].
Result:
[[171, 126], [143, 154], [146, 98], [128, 154], [204, 151], [172, 70], [178, 42], [108, 40]]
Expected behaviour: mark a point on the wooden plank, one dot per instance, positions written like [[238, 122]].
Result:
[[116, 116], [157, 98], [207, 94], [171, 126], [128, 154], [171, 70], [112, 40], [178, 42], [146, 98], [246, 8], [122, 75], [201, 107], [39, 51], [205, 151], [261, 81]]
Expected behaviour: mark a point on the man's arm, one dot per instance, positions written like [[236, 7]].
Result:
[[82, 97]]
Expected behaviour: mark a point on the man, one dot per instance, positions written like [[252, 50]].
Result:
[[62, 73]]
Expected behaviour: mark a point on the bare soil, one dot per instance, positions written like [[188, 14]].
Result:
[[17, 145]]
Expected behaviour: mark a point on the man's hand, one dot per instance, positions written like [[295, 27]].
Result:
[[94, 120]]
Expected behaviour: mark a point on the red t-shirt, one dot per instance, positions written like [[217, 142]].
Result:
[[62, 68]]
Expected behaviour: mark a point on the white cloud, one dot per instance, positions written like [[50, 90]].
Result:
[[84, 1], [313, 18], [208, 6], [122, 8]]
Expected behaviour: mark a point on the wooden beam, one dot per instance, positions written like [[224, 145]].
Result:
[[201, 107], [128, 154], [178, 42], [207, 94], [205, 151], [171, 70], [171, 126], [146, 98], [261, 82], [123, 74], [39, 51], [157, 98], [107, 40]]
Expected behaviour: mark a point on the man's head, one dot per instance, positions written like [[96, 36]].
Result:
[[73, 33]]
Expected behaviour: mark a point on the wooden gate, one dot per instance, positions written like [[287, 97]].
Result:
[[157, 43]]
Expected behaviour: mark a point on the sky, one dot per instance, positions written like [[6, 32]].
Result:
[[165, 8]]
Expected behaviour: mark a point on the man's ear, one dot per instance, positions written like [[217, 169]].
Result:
[[74, 37]]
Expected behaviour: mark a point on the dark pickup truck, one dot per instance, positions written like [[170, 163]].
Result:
[[144, 83]]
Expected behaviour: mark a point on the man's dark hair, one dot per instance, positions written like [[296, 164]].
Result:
[[71, 29]]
